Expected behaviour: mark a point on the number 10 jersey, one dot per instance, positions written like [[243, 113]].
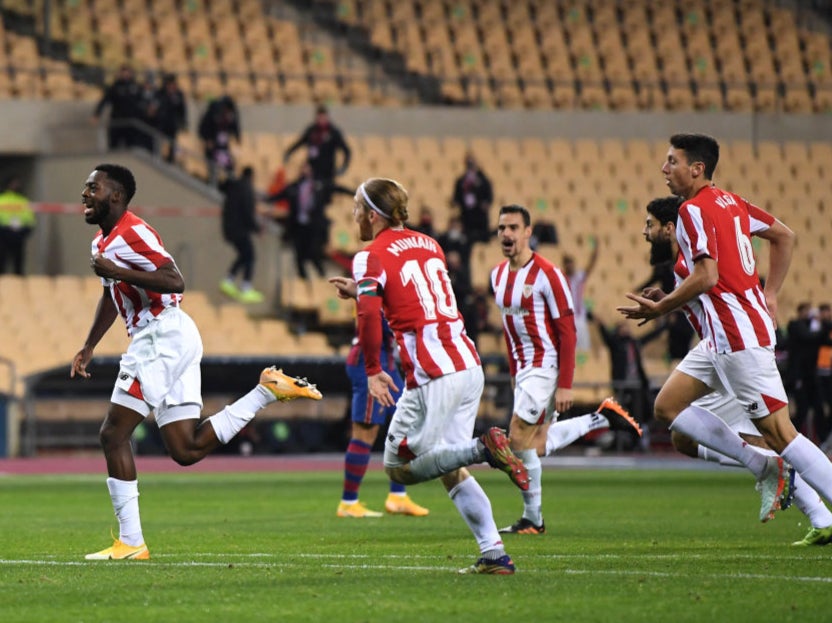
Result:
[[409, 269]]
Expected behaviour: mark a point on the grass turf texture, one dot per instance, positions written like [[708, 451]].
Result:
[[621, 546]]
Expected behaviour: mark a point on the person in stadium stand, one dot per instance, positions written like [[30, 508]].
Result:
[[736, 355], [536, 306], [323, 140], [660, 232], [577, 285], [160, 369], [367, 417], [17, 220], [473, 196], [239, 222], [430, 435], [123, 96]]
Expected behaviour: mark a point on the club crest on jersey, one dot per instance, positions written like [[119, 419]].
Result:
[[527, 291]]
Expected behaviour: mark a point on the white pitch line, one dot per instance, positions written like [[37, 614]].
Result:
[[284, 564]]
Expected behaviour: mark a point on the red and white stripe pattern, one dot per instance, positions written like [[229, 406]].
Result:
[[418, 302], [135, 245], [529, 300], [719, 224]]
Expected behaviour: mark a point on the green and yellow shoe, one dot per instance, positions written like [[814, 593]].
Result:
[[816, 536]]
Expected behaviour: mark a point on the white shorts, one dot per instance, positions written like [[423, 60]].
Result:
[[160, 370], [750, 376], [729, 411], [534, 394], [440, 412]]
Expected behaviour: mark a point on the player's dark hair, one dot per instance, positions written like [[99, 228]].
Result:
[[517, 209], [121, 176], [665, 209], [698, 148]]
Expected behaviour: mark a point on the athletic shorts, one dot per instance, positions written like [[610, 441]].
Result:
[[729, 411], [364, 409], [160, 370], [440, 412], [750, 376], [534, 394]]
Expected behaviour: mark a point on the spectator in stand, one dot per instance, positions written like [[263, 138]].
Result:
[[803, 333], [307, 226], [629, 380], [824, 373], [473, 196], [323, 140], [425, 223], [123, 97], [460, 277], [147, 110], [456, 239], [17, 220], [171, 113], [219, 125], [577, 286], [239, 222]]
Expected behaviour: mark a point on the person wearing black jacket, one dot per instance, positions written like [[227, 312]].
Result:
[[473, 196], [323, 141], [123, 97], [307, 225], [239, 222], [629, 380], [171, 113], [803, 335], [219, 124]]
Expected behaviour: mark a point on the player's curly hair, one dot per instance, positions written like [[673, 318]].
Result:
[[388, 196], [121, 176]]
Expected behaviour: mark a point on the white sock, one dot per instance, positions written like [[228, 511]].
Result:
[[233, 418], [125, 497], [811, 463], [561, 434], [475, 507], [712, 456], [445, 459], [708, 430], [532, 498], [810, 504]]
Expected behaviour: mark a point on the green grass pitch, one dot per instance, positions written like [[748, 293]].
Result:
[[639, 545]]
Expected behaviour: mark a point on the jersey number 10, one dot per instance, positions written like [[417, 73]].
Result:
[[433, 287]]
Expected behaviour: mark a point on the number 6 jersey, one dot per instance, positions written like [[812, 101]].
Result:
[[404, 272], [718, 224]]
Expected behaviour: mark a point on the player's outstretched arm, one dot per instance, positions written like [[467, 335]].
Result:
[[345, 286]]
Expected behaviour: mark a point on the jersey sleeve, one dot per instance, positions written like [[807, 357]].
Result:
[[759, 219], [698, 232], [143, 249], [559, 296]]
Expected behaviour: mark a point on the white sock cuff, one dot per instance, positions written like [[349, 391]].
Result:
[[128, 488], [453, 492]]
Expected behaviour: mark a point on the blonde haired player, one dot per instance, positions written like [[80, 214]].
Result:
[[430, 436]]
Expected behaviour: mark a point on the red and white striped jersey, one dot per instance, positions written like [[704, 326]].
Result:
[[719, 224], [418, 302], [134, 244], [530, 300]]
